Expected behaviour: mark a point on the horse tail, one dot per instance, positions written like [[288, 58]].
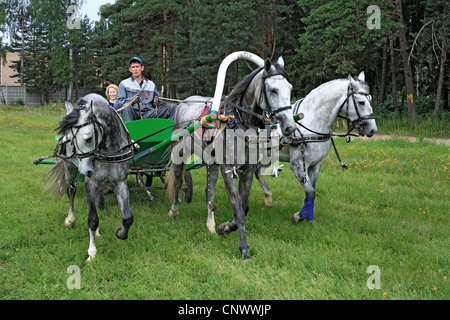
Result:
[[56, 180], [170, 181]]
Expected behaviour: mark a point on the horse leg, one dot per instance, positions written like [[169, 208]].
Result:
[[123, 197], [176, 173], [211, 181], [245, 185], [307, 212], [70, 175], [239, 214], [267, 193], [92, 219]]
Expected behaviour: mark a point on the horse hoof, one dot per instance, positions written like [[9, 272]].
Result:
[[211, 228], [267, 202], [121, 233], [296, 218], [246, 257], [91, 256], [173, 213], [69, 223], [226, 228]]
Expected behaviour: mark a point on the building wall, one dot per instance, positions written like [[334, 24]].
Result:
[[11, 91], [12, 94], [6, 71]]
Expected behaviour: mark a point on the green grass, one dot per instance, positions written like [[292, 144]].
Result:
[[420, 128], [390, 209]]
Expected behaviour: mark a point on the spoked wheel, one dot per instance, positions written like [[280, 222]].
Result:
[[188, 187]]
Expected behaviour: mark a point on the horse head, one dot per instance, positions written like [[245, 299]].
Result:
[[359, 108], [82, 128], [277, 94]]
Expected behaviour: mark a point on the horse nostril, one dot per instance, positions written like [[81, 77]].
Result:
[[89, 173], [288, 130]]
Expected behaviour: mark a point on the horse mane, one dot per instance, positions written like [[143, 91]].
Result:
[[72, 118], [364, 85], [239, 89], [69, 121], [278, 71]]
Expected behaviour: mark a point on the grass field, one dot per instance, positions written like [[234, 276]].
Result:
[[389, 210]]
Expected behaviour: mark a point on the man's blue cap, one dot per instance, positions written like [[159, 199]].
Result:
[[135, 59]]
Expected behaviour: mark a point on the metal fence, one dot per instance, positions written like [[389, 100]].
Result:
[[15, 94]]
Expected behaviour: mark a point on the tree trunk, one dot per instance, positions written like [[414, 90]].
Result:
[[191, 51], [409, 80], [441, 81], [393, 74], [383, 73]]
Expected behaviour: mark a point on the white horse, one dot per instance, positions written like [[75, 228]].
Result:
[[311, 142], [96, 143]]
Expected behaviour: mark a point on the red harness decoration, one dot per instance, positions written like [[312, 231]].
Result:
[[202, 132]]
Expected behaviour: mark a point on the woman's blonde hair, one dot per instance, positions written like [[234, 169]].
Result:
[[109, 87]]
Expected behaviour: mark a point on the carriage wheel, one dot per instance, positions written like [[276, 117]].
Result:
[[188, 187]]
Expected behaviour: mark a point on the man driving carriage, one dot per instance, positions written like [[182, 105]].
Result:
[[141, 95]]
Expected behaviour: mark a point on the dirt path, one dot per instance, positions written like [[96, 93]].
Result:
[[410, 139]]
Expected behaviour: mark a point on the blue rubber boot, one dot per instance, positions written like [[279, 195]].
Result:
[[308, 209]]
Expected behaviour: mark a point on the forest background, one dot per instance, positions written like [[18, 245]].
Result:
[[401, 45]]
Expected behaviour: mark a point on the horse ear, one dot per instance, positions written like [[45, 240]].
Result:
[[362, 76], [69, 107], [352, 81], [280, 62], [267, 64]]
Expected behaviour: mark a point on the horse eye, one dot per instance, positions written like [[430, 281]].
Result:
[[273, 91], [88, 140], [361, 103]]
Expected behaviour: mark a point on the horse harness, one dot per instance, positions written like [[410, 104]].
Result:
[[351, 124], [236, 119], [322, 137], [116, 157]]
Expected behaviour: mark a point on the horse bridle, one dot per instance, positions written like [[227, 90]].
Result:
[[352, 124], [270, 113], [97, 127]]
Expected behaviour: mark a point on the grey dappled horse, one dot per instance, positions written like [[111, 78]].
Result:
[[311, 141], [96, 143], [264, 90]]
